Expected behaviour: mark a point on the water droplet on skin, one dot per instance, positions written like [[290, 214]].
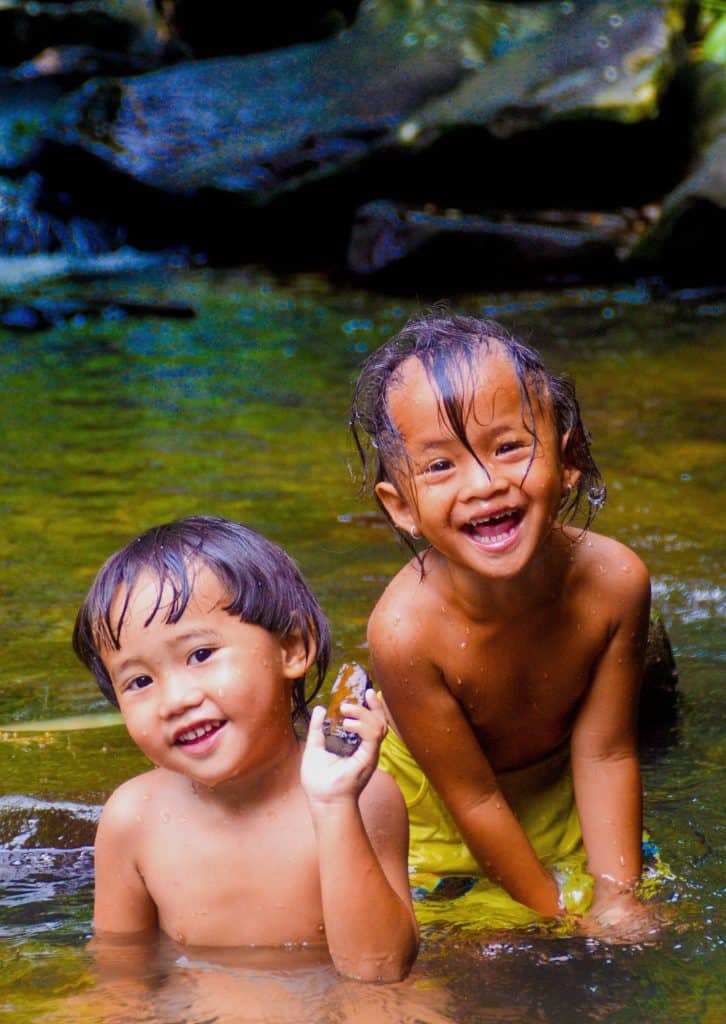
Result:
[[165, 816], [459, 681], [625, 568], [463, 644]]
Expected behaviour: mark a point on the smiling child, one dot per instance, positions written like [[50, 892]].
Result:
[[202, 631], [509, 650]]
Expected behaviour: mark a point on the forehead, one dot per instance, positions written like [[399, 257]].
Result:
[[150, 600], [487, 389]]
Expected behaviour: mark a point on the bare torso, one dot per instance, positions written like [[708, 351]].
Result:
[[248, 874], [517, 675]]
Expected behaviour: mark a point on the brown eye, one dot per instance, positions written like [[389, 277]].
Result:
[[139, 683], [439, 466], [508, 447]]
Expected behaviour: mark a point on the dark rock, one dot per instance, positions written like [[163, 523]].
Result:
[[350, 685], [262, 124], [659, 693], [581, 243]]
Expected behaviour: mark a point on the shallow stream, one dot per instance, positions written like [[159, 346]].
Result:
[[112, 424]]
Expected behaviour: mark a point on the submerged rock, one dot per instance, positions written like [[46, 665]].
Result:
[[29, 823]]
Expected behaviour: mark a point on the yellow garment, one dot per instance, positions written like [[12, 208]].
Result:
[[541, 797]]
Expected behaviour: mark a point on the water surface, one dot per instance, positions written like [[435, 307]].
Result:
[[111, 425]]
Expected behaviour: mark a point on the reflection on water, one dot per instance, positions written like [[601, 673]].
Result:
[[112, 425]]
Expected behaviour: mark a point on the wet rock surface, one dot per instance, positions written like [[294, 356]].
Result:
[[350, 685], [574, 141]]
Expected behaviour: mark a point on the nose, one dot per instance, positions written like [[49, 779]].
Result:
[[178, 695], [479, 481]]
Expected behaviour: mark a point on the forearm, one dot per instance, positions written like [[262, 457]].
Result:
[[609, 801], [370, 930], [505, 854]]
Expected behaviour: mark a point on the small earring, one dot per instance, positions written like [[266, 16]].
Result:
[[415, 532]]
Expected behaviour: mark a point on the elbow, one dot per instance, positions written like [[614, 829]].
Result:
[[384, 967], [383, 970]]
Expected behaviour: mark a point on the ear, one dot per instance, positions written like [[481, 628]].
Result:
[[569, 474], [295, 659], [397, 507]]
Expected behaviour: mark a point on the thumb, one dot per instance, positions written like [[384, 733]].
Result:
[[315, 736]]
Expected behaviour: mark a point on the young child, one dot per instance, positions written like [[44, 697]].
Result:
[[510, 649], [202, 632]]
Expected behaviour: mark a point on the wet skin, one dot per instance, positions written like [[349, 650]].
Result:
[[238, 836], [520, 635]]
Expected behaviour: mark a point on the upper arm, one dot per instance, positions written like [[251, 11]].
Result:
[[426, 714], [386, 823], [122, 902], [606, 724]]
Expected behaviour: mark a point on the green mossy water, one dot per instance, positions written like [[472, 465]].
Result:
[[112, 425]]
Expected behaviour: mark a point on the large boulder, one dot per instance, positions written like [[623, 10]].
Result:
[[261, 124]]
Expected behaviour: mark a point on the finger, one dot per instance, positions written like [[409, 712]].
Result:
[[315, 738]]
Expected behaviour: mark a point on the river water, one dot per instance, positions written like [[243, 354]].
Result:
[[112, 424]]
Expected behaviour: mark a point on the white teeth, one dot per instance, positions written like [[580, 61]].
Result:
[[488, 520], [193, 734]]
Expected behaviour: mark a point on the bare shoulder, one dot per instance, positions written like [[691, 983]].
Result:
[[401, 615], [611, 569], [123, 812]]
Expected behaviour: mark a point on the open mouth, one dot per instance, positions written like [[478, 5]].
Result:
[[497, 528], [198, 733]]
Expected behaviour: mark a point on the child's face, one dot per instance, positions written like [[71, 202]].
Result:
[[490, 515], [207, 696]]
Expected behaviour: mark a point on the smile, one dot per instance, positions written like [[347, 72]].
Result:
[[495, 529], [198, 732]]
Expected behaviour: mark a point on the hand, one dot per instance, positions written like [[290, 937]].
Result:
[[327, 778], [620, 917]]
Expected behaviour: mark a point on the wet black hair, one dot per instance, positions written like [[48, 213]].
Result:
[[264, 585], [449, 347]]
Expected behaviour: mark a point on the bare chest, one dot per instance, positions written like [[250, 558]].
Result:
[[520, 685], [234, 883]]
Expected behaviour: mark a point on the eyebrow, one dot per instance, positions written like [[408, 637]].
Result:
[[203, 636]]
